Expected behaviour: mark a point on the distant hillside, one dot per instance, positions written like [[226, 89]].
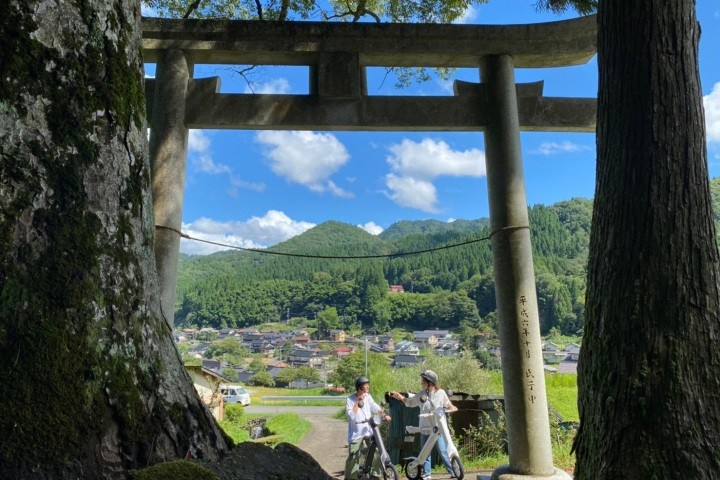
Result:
[[405, 228], [245, 288], [445, 287], [334, 238]]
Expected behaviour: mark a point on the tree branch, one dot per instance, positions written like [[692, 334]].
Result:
[[193, 6]]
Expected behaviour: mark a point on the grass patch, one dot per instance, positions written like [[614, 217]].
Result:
[[290, 427], [284, 427], [256, 393], [238, 430], [562, 395]]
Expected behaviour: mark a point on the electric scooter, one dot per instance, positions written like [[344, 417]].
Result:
[[375, 442], [414, 465]]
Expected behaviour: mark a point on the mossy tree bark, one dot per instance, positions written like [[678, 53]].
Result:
[[91, 383], [649, 382]]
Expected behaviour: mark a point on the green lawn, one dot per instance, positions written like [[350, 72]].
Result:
[[561, 392], [284, 427]]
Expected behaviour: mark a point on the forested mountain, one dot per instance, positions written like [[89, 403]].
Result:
[[404, 228], [443, 287]]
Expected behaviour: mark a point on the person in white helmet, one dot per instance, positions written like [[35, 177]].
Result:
[[430, 397], [361, 406]]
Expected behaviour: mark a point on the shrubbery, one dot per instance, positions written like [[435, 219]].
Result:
[[234, 412], [489, 438]]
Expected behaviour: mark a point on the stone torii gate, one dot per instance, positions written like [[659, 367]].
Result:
[[337, 54]]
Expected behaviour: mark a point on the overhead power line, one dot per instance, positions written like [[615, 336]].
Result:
[[341, 257]]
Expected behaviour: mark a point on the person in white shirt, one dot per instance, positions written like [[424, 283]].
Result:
[[361, 406], [429, 398]]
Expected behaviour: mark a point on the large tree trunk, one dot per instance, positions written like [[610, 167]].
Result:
[[649, 382], [91, 384]]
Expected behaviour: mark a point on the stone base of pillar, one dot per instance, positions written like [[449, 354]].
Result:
[[505, 473]]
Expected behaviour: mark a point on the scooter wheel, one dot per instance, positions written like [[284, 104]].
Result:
[[457, 467], [413, 471], [390, 472]]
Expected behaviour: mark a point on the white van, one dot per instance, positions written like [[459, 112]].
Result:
[[235, 394]]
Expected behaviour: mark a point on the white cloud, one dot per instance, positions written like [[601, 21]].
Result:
[[433, 158], [240, 183], [372, 228], [198, 141], [146, 11], [337, 191], [200, 157], [205, 164], [412, 193], [256, 232], [553, 148], [415, 165], [471, 14], [306, 158], [274, 86], [712, 114]]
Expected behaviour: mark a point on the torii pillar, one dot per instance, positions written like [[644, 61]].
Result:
[[168, 153], [528, 425]]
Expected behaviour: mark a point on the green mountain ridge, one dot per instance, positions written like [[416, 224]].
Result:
[[445, 287]]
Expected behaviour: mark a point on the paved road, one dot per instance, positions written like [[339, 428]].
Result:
[[300, 410]]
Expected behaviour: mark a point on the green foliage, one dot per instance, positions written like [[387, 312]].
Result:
[[562, 394], [238, 289], [234, 412], [289, 426], [230, 374], [327, 320], [462, 374], [353, 366], [444, 11], [583, 7], [257, 365], [177, 470], [488, 438], [229, 349], [308, 374], [262, 378]]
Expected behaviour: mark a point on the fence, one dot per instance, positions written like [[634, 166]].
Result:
[[471, 412]]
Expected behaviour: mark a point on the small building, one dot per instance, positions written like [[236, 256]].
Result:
[[397, 289], [207, 385], [573, 354], [337, 335], [406, 347], [448, 347], [341, 352], [407, 360], [215, 365], [301, 357], [301, 339], [551, 353], [426, 338], [387, 343]]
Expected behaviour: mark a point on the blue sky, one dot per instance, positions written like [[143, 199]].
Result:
[[254, 189]]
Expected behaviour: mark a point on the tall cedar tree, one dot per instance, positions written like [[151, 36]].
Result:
[[92, 384], [649, 382]]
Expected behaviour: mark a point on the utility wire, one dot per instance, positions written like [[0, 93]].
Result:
[[340, 257]]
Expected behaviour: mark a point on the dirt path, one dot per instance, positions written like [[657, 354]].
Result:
[[327, 442]]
